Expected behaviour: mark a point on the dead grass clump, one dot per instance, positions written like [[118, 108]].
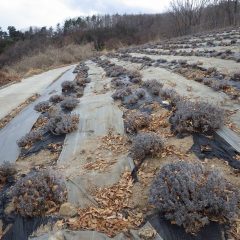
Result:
[[146, 144], [197, 117], [52, 57], [135, 121], [6, 78]]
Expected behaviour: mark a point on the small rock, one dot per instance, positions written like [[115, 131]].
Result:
[[147, 233], [9, 208], [68, 210]]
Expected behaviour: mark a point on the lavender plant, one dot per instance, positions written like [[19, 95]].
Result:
[[36, 193], [135, 121], [69, 103], [146, 144], [62, 123], [30, 138], [42, 106], [190, 195]]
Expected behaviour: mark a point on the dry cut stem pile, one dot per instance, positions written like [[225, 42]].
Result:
[[113, 214]]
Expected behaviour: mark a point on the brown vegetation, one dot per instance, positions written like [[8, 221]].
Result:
[[51, 57]]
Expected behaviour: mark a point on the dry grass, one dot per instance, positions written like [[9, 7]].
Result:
[[51, 57], [7, 77]]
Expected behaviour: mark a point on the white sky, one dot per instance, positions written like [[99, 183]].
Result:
[[25, 13]]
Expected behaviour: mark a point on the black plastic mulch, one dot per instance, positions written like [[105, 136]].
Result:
[[214, 147], [22, 228], [168, 231], [48, 138], [145, 104]]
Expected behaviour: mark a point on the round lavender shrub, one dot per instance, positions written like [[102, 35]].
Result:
[[146, 144], [42, 106], [69, 103], [190, 195], [38, 192]]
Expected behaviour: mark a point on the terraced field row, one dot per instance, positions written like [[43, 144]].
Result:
[[142, 142]]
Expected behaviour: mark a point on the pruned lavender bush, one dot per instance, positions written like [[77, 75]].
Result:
[[131, 99], [135, 77], [190, 195], [115, 71], [72, 88], [140, 92], [197, 117], [30, 138], [135, 121], [78, 91], [120, 82], [153, 86], [68, 86], [80, 82], [146, 144], [42, 106], [7, 171], [120, 94], [170, 94], [38, 192], [62, 123], [56, 98], [69, 103]]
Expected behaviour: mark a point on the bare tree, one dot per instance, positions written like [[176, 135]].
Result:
[[187, 14]]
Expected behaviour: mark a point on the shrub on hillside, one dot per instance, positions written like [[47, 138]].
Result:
[[68, 86], [69, 103], [146, 144], [120, 94], [131, 99], [7, 171], [42, 106], [153, 86], [140, 92], [190, 195], [38, 192], [63, 123], [30, 138], [135, 121], [197, 117], [56, 98], [170, 94]]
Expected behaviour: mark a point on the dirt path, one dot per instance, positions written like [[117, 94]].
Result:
[[100, 118], [223, 66], [23, 122], [15, 94]]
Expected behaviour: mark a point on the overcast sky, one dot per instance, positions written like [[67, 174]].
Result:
[[25, 13]]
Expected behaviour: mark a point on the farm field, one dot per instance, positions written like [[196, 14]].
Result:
[[139, 143]]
